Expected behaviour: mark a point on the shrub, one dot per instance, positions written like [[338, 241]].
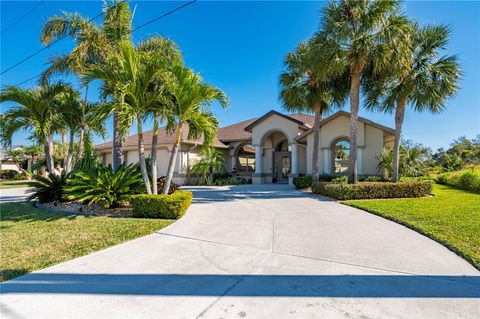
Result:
[[20, 177], [372, 190], [105, 186], [8, 173], [340, 179], [302, 182], [161, 181], [468, 180], [161, 206], [48, 189]]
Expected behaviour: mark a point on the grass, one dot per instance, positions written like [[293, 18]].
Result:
[[451, 217], [32, 238], [13, 184]]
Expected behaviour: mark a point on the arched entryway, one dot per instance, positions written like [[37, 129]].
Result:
[[340, 156], [276, 157]]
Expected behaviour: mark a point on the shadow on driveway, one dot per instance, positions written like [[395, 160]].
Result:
[[351, 286]]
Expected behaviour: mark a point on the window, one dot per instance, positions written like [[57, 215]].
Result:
[[341, 152], [246, 158]]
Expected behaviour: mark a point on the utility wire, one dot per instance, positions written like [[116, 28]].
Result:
[[135, 29], [21, 17]]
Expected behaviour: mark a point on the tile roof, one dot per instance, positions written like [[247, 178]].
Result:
[[234, 132]]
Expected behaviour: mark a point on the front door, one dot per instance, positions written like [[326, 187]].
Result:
[[281, 166]]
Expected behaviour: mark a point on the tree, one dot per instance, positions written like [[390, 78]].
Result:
[[412, 161], [308, 85], [211, 161], [17, 155], [192, 99], [33, 151], [73, 113], [369, 35], [135, 76], [424, 82], [33, 112], [93, 42]]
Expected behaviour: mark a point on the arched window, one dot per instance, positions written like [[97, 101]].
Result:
[[246, 158], [340, 154]]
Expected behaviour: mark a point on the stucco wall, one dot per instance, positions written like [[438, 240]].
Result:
[[369, 138], [272, 124], [373, 146]]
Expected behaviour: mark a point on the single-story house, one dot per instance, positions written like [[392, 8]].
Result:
[[273, 148]]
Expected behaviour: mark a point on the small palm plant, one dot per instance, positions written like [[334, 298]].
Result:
[[104, 185], [212, 161], [48, 189]]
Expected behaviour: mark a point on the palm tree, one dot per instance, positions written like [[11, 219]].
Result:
[[308, 85], [369, 34], [211, 161], [136, 78], [192, 99], [33, 151], [424, 82], [93, 42], [34, 112], [73, 112]]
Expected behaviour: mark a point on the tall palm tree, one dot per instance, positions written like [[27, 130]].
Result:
[[424, 82], [34, 112], [367, 32], [93, 42], [192, 99], [308, 85], [136, 77]]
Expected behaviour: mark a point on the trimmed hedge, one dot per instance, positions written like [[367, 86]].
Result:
[[302, 182], [371, 190], [171, 206]]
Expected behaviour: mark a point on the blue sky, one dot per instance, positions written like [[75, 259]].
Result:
[[239, 47]]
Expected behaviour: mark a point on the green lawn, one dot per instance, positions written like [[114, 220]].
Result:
[[32, 238], [451, 217], [13, 184]]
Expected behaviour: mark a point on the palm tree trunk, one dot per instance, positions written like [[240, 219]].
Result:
[[81, 141], [316, 142], [68, 162], [49, 155], [173, 159], [153, 155], [141, 156], [354, 106], [117, 141], [399, 115]]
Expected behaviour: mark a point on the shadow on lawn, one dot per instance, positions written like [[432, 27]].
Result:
[[358, 286], [25, 211]]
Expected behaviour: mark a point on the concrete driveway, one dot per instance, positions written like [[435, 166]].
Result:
[[262, 251]]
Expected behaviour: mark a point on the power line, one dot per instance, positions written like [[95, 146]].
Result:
[[21, 17], [165, 14], [135, 29]]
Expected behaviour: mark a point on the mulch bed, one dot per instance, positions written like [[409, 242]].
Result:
[[75, 208]]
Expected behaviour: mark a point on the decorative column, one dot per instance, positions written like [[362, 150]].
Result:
[[233, 163], [257, 177], [294, 163], [360, 160], [327, 158]]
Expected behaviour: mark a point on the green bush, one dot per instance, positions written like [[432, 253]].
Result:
[[102, 185], [371, 178], [48, 189], [372, 190], [468, 180], [302, 182], [161, 206], [340, 179]]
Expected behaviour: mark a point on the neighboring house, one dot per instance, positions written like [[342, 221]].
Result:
[[7, 163], [273, 148]]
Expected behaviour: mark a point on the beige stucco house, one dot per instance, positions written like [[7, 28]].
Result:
[[273, 148]]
